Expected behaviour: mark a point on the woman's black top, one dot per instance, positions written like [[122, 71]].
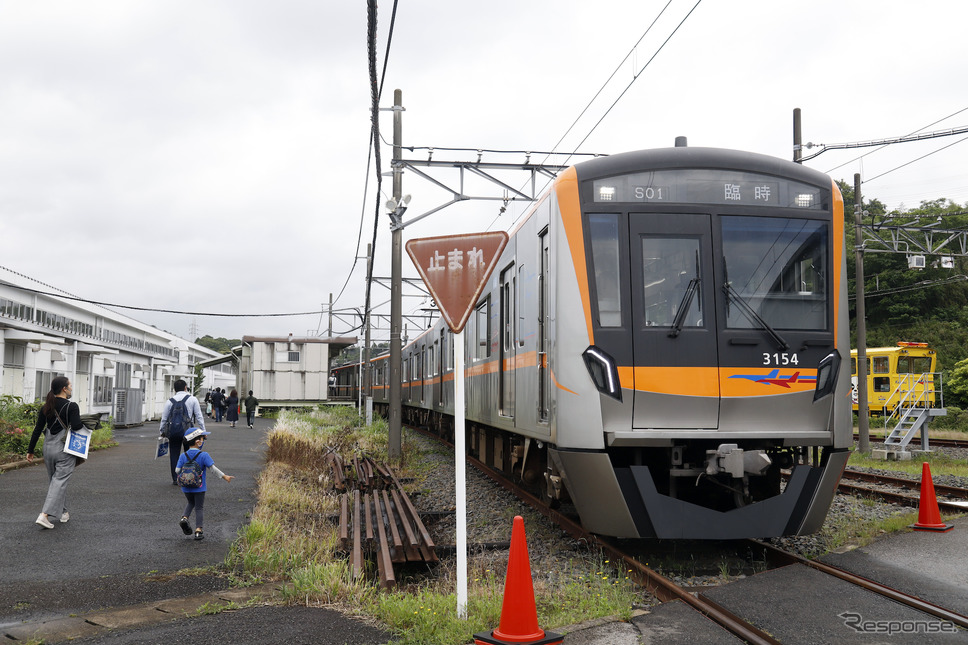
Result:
[[69, 411]]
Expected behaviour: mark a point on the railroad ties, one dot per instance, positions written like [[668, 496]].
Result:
[[377, 520]]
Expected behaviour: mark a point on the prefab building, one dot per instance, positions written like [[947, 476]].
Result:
[[287, 371]]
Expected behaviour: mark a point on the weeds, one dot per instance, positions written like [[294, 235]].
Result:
[[292, 536]]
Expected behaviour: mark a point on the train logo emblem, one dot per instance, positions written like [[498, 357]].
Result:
[[774, 378]]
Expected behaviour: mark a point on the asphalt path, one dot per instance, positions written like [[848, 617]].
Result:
[[123, 541]]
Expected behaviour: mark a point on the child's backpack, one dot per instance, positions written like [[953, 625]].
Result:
[[178, 420], [190, 475]]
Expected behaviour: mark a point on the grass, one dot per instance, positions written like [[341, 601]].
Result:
[[292, 537], [939, 463]]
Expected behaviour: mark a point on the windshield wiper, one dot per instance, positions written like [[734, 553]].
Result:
[[731, 294], [687, 299]]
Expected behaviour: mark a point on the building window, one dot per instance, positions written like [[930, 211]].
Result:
[[287, 357], [103, 388], [42, 383], [123, 375], [13, 355]]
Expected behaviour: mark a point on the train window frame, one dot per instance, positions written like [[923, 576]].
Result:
[[607, 287], [675, 293], [482, 330], [785, 308], [881, 365]]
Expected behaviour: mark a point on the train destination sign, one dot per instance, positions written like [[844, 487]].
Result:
[[707, 187], [455, 269]]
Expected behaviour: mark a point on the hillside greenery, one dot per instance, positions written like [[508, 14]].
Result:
[[220, 345], [929, 305]]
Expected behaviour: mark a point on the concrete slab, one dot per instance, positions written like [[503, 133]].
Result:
[[249, 593], [928, 565], [128, 617], [186, 606], [618, 633], [675, 623], [797, 604], [56, 630]]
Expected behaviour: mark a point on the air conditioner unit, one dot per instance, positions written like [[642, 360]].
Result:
[[915, 261], [127, 407], [947, 262]]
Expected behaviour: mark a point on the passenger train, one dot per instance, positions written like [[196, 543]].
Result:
[[665, 332]]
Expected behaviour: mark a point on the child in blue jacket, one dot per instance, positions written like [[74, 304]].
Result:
[[194, 438]]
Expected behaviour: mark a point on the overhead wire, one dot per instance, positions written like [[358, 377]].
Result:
[[609, 80], [372, 150], [957, 112], [115, 305], [622, 94], [915, 160]]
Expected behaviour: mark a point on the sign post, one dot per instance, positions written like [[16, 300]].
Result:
[[455, 269]]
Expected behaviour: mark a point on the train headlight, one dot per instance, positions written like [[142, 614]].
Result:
[[827, 373], [601, 368]]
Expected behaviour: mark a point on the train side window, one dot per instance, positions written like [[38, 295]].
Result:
[[882, 383], [853, 367], [603, 233], [882, 365], [482, 348]]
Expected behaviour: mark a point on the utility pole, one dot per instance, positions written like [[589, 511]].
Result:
[[329, 330], [365, 354], [863, 420], [394, 449], [797, 137]]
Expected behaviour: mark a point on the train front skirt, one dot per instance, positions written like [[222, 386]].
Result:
[[600, 492]]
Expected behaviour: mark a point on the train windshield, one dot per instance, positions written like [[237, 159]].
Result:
[[777, 268]]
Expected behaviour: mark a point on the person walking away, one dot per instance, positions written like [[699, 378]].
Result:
[[233, 408], [251, 403], [195, 495], [180, 413], [208, 404], [54, 418], [217, 404]]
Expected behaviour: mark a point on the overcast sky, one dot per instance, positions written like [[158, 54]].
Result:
[[211, 156]]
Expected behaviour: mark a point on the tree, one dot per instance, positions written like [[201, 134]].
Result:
[[220, 345]]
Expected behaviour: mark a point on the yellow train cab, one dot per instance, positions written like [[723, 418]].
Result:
[[904, 375]]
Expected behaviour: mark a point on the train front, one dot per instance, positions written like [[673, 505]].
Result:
[[705, 392]]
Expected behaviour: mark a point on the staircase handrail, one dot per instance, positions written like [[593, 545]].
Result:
[[932, 385]]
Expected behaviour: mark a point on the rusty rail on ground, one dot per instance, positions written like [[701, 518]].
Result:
[[377, 519]]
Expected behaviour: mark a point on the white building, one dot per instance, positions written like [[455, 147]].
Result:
[[285, 371], [114, 361]]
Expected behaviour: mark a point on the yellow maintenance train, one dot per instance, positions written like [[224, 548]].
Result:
[[902, 375]]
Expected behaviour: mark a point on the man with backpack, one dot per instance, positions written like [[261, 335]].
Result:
[[180, 413]]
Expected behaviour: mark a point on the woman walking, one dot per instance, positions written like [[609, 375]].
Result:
[[55, 417], [233, 403]]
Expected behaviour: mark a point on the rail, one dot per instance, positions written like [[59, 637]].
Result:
[[377, 520]]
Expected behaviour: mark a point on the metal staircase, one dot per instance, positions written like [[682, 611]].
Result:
[[914, 409]]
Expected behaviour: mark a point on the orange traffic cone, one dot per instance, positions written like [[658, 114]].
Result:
[[929, 517], [519, 615]]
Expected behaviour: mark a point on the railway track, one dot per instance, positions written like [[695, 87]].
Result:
[[887, 487], [780, 558], [658, 585], [665, 589], [941, 443]]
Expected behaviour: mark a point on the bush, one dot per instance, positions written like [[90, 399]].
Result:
[[16, 423]]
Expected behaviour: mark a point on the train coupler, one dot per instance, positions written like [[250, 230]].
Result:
[[730, 458]]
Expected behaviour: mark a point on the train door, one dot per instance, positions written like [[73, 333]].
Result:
[[674, 346], [506, 359], [543, 378]]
